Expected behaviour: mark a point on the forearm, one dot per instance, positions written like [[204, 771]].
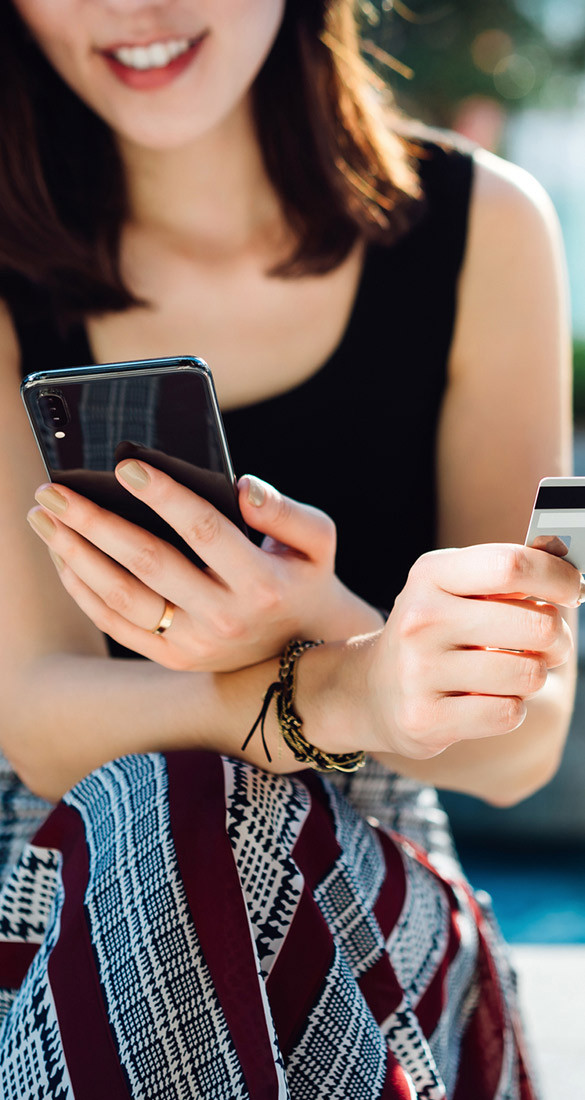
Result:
[[82, 711], [70, 714], [506, 769]]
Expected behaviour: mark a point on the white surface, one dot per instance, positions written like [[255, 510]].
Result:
[[561, 519], [552, 994]]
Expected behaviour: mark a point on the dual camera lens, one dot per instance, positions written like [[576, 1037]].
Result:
[[54, 410]]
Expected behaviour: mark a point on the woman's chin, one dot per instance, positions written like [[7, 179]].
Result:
[[159, 133]]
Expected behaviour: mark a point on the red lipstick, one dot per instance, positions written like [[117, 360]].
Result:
[[146, 80]]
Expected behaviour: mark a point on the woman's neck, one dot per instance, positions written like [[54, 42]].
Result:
[[212, 196]]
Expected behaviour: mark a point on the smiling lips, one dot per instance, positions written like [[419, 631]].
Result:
[[146, 68]]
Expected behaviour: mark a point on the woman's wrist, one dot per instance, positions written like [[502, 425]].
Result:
[[345, 615], [333, 696]]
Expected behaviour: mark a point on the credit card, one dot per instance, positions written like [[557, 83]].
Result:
[[557, 523]]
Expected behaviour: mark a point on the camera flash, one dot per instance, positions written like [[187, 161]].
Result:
[[59, 435]]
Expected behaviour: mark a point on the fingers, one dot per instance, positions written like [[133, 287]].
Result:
[[462, 694], [472, 717], [477, 671], [202, 605], [158, 565], [115, 601], [216, 540], [427, 723], [118, 589], [110, 622], [300, 526], [552, 544], [504, 624], [502, 569]]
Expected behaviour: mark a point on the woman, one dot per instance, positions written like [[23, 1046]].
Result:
[[200, 176]]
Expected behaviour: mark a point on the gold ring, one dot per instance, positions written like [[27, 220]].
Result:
[[166, 618]]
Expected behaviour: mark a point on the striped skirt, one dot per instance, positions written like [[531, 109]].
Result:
[[186, 925]]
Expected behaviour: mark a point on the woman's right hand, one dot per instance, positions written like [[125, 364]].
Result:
[[238, 612], [469, 641]]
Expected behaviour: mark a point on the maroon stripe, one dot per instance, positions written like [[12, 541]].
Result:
[[316, 849], [54, 832], [298, 975], [15, 959], [89, 1047], [482, 1047], [432, 1002], [381, 989], [396, 1083], [305, 958], [214, 894], [390, 900], [301, 968]]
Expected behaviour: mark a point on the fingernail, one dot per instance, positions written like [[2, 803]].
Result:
[[135, 475], [57, 560], [256, 492], [581, 598], [52, 500], [42, 524]]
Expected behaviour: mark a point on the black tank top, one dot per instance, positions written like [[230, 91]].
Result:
[[357, 438]]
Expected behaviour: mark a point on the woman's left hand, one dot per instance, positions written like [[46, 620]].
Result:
[[240, 610]]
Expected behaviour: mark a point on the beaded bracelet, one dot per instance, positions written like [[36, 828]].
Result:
[[290, 723]]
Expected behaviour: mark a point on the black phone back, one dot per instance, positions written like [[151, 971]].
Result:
[[164, 411]]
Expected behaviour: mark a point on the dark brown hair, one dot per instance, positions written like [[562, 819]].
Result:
[[339, 167]]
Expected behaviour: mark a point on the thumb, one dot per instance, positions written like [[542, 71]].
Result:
[[302, 527]]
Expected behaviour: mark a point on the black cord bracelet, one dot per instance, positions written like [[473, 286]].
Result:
[[291, 726]]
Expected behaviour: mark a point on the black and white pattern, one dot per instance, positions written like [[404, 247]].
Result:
[[409, 1046], [348, 893], [163, 1016], [170, 1029], [21, 814], [28, 896], [417, 943], [32, 1066], [265, 815], [461, 996], [402, 806], [341, 1035]]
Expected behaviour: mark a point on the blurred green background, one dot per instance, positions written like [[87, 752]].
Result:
[[509, 74]]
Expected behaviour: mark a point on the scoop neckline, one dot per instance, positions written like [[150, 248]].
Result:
[[322, 371], [80, 339]]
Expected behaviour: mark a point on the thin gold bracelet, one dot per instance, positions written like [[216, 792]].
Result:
[[290, 723]]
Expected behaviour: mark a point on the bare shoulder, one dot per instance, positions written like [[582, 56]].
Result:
[[509, 208], [513, 283], [500, 183], [506, 414]]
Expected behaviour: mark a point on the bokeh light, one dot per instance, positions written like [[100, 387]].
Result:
[[514, 76], [489, 48]]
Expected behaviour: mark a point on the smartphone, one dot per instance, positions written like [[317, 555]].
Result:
[[557, 523], [163, 411]]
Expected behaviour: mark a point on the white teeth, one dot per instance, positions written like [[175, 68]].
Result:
[[155, 56]]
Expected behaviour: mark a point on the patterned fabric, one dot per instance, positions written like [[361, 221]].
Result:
[[190, 926], [21, 814]]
